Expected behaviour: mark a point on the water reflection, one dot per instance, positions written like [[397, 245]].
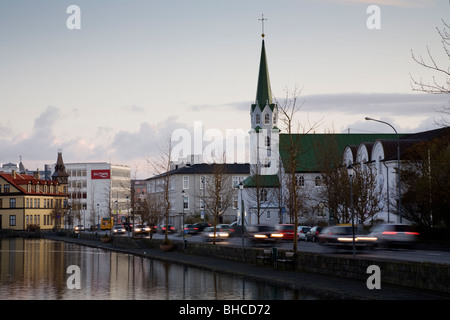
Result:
[[36, 269]]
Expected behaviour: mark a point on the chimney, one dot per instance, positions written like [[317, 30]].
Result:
[[36, 174], [13, 173]]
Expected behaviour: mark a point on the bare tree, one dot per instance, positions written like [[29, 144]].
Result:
[[162, 167], [434, 87], [218, 192], [292, 150]]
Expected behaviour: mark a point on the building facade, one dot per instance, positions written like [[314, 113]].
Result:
[[97, 190], [31, 202], [193, 190]]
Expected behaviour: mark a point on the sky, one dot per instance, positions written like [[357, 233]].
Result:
[[111, 82]]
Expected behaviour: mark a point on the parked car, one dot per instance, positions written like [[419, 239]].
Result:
[[287, 230], [128, 226], [201, 225], [208, 234], [312, 234], [190, 229], [118, 229], [171, 228], [341, 236], [301, 232], [394, 235], [260, 234]]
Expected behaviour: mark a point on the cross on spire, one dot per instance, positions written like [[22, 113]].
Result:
[[262, 22]]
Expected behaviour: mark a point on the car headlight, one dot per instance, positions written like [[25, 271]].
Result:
[[276, 235], [260, 236]]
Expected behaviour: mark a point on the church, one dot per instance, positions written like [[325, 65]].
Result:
[[265, 196]]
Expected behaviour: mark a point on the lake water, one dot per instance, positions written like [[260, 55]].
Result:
[[38, 269]]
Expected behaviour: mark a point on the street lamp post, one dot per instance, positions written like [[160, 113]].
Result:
[[350, 176], [241, 187], [182, 227], [398, 166]]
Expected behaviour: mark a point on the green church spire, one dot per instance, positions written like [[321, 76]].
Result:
[[263, 92]]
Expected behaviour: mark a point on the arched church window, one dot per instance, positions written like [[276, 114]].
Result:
[[257, 119], [268, 142], [263, 195], [266, 118], [317, 181]]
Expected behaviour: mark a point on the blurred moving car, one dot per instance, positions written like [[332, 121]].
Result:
[[312, 234], [223, 227], [141, 229], [236, 229], [259, 234], [79, 227], [208, 234], [301, 232], [287, 230], [390, 235], [341, 236], [118, 229]]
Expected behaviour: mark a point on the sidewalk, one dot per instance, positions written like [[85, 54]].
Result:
[[326, 287]]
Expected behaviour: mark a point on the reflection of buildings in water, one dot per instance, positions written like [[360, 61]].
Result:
[[36, 269]]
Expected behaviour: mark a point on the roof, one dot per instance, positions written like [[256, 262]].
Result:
[[206, 168], [19, 181], [263, 91], [262, 181], [312, 145]]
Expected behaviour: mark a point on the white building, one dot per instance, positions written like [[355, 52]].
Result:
[[97, 190]]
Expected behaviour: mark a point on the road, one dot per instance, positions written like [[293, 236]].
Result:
[[434, 256]]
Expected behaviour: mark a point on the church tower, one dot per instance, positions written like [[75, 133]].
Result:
[[264, 133], [60, 173]]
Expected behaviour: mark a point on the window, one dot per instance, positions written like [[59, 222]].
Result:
[[185, 182], [263, 195], [12, 203], [266, 118], [258, 119], [185, 202], [6, 188], [235, 182], [12, 220], [235, 202], [268, 142], [202, 204], [202, 182], [317, 181], [301, 181]]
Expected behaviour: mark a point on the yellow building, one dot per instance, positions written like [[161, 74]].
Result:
[[27, 202]]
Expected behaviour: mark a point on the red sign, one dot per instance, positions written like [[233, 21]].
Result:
[[100, 174]]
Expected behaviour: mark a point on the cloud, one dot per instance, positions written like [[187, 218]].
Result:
[[394, 3], [375, 103]]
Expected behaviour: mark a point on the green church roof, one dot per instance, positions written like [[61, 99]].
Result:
[[313, 146]]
